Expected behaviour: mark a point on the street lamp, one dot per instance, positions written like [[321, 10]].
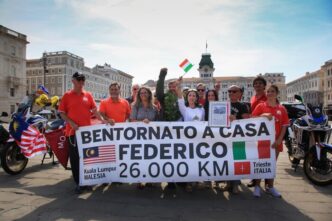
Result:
[[45, 67]]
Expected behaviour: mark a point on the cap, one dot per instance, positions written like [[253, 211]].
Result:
[[235, 87], [185, 88], [79, 76]]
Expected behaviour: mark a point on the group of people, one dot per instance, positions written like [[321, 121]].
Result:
[[176, 104]]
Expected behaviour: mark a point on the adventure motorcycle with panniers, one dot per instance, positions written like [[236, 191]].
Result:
[[307, 139]]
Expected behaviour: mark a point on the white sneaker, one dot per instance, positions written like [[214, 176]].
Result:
[[257, 192], [273, 192]]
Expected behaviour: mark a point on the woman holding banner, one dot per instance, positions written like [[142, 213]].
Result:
[[143, 110], [272, 108], [190, 110]]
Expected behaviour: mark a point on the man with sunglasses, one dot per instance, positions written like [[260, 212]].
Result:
[[201, 92], [76, 108], [132, 97], [239, 111]]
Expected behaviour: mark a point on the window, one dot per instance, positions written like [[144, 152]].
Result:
[[12, 109], [59, 80], [13, 50], [52, 80], [12, 92], [13, 71]]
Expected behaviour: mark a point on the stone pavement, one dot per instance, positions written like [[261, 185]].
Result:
[[47, 193]]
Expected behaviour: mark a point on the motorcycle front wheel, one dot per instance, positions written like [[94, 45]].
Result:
[[291, 146], [318, 171], [12, 160]]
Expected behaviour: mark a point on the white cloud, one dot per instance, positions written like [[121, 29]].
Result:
[[163, 33]]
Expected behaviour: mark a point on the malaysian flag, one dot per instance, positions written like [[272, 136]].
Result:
[[27, 137], [103, 154]]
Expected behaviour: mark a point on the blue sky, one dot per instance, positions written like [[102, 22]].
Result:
[[141, 36]]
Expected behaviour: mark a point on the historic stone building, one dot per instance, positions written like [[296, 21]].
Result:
[[55, 69], [12, 68], [310, 87], [327, 86], [110, 74]]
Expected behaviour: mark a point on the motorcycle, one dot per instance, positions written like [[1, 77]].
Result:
[[13, 160], [308, 141]]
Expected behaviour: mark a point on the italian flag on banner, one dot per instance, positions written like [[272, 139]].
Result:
[[249, 150], [186, 65]]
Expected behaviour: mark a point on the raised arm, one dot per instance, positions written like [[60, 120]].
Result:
[[160, 84]]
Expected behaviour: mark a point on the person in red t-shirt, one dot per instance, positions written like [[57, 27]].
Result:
[[259, 84], [76, 108], [271, 108], [114, 109]]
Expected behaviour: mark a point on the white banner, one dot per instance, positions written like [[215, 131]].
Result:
[[176, 152]]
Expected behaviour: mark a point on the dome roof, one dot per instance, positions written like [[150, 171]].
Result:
[[206, 60]]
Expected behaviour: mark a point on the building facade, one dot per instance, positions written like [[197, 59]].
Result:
[[109, 74], [327, 86], [307, 87], [55, 70], [12, 68], [327, 73]]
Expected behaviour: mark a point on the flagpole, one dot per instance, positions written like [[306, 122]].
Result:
[[206, 45]]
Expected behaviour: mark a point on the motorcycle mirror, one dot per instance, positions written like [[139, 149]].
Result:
[[298, 97], [4, 114]]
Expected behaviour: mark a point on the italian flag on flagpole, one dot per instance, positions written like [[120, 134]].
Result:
[[186, 65], [249, 150]]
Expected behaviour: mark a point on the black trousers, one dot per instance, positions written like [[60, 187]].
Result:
[[74, 159]]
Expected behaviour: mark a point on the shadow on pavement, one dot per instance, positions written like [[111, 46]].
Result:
[[125, 202]]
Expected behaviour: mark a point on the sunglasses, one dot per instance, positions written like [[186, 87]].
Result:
[[135, 89], [231, 91], [200, 90]]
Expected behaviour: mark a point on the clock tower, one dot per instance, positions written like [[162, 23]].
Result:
[[206, 69]]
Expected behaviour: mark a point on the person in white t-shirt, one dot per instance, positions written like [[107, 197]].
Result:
[[189, 105], [190, 110]]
